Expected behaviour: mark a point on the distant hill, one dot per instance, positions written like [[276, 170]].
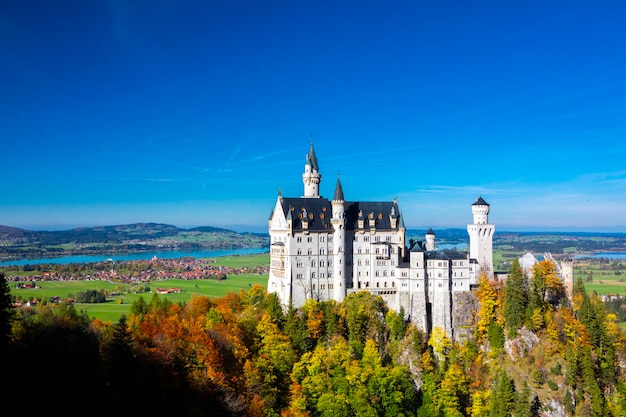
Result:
[[21, 243]]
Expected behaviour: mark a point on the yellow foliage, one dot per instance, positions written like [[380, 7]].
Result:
[[490, 305], [481, 404], [440, 342]]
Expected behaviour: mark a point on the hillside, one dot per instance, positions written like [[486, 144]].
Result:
[[21, 243]]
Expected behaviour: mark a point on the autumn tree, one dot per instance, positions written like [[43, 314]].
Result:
[[490, 306]]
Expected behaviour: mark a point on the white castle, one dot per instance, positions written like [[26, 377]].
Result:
[[325, 249]]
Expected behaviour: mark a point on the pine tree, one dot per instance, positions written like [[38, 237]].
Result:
[[503, 396], [515, 299], [6, 315]]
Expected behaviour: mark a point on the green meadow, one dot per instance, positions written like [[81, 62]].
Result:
[[122, 296]]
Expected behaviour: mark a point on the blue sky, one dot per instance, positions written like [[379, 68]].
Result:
[[117, 112]]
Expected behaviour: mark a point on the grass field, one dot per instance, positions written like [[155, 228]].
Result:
[[120, 304]]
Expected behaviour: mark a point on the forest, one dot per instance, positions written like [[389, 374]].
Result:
[[535, 350]]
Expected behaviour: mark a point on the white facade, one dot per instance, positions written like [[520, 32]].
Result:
[[326, 249]]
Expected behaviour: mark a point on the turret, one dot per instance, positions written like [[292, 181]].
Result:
[[567, 275], [430, 239], [339, 225], [481, 238], [480, 210], [311, 176]]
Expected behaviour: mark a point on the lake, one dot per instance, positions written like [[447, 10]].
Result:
[[607, 255], [172, 254]]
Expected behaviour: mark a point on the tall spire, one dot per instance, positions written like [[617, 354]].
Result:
[[311, 176], [338, 190], [311, 158]]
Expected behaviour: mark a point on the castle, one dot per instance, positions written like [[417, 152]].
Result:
[[325, 249]]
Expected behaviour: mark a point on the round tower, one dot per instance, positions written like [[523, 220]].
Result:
[[311, 176], [481, 237], [339, 255], [567, 275], [430, 239]]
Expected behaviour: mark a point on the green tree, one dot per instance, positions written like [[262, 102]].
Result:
[[503, 395], [7, 315], [139, 307], [515, 299]]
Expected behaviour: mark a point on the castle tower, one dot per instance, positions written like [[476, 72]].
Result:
[[311, 176], [430, 239], [481, 237], [567, 275], [339, 256]]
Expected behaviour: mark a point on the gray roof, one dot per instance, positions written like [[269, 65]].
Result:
[[312, 159], [318, 213], [338, 191], [480, 202]]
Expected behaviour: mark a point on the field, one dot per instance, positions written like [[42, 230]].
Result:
[[601, 277], [121, 303]]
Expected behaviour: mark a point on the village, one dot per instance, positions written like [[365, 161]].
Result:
[[135, 272]]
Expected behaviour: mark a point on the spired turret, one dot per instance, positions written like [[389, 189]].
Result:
[[339, 256], [311, 177]]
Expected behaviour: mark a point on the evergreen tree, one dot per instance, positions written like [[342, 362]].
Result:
[[6, 315], [503, 396], [515, 299]]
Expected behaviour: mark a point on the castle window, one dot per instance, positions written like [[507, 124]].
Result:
[[385, 273], [299, 276], [299, 264], [313, 263], [330, 274], [377, 284], [393, 284], [322, 262], [385, 284], [367, 262], [309, 239], [393, 273], [359, 262], [299, 251], [321, 237], [313, 275], [310, 251], [440, 285], [313, 286], [299, 239], [377, 273], [330, 262], [322, 251]]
